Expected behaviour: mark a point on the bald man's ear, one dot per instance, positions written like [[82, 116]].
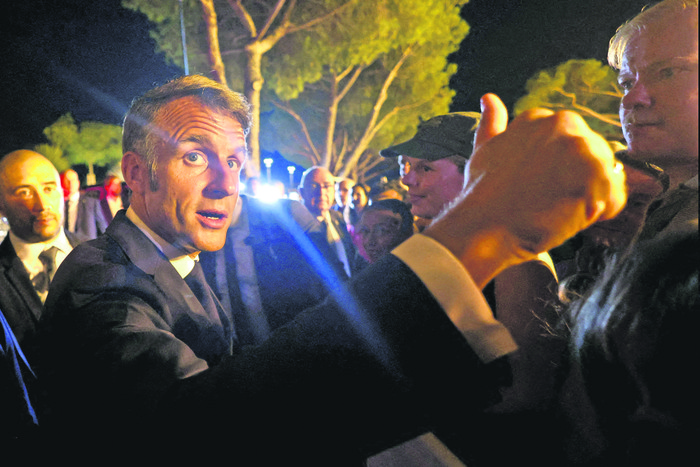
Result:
[[135, 171]]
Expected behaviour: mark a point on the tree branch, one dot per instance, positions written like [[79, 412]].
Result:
[[214, 53], [273, 15], [370, 130], [351, 81], [304, 128], [588, 111], [320, 19], [244, 17]]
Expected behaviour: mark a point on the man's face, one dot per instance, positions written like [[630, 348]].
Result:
[[113, 187], [379, 232], [70, 183], [197, 169], [431, 185], [359, 197], [32, 199], [318, 191], [342, 192], [659, 75]]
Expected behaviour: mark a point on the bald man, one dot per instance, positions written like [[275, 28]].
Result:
[[317, 190], [32, 200]]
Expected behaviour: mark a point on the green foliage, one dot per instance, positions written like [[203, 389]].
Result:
[[90, 143], [306, 71], [369, 37], [54, 154], [588, 87]]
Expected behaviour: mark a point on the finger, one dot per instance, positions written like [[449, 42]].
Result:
[[617, 196], [610, 189], [494, 119]]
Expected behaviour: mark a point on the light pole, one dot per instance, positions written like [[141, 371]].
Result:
[[268, 163], [291, 170], [184, 41]]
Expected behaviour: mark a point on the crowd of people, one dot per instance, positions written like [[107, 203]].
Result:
[[529, 299]]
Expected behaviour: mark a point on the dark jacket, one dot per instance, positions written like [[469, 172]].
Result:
[[18, 299], [373, 365], [292, 259]]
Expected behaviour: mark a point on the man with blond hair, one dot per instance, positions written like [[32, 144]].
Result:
[[656, 54]]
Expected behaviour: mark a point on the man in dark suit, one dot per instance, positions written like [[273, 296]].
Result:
[[32, 200], [275, 263], [70, 183], [141, 356], [317, 190], [98, 206]]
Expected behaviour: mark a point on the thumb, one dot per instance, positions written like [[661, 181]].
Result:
[[494, 119]]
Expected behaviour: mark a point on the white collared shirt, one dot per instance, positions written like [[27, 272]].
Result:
[[181, 260], [29, 253], [452, 286]]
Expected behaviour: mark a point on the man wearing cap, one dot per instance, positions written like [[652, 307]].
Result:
[[432, 162], [432, 165]]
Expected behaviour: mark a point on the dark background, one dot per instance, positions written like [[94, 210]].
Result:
[[91, 57]]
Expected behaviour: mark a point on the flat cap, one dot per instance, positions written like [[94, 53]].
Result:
[[439, 137]]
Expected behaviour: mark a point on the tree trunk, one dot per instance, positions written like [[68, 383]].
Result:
[[209, 15]]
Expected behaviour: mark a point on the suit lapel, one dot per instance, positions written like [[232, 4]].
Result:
[[147, 257], [17, 277]]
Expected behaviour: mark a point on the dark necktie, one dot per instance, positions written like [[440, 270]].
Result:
[[42, 280], [201, 289]]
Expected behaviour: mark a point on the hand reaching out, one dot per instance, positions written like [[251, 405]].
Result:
[[529, 186]]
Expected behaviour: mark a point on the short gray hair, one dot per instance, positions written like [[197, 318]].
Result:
[[139, 134], [624, 33]]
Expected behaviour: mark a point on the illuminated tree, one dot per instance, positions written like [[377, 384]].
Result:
[[90, 143], [588, 87], [54, 154], [327, 64]]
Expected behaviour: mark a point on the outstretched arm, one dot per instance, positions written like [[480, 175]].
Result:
[[528, 188]]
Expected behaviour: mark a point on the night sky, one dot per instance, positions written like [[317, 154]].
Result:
[[91, 57]]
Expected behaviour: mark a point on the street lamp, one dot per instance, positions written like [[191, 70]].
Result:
[[268, 163], [291, 170]]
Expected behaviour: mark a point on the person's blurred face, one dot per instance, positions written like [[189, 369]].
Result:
[[619, 231], [342, 192], [70, 183], [431, 185], [380, 232], [113, 187], [32, 198], [197, 172], [359, 197], [318, 191], [659, 76]]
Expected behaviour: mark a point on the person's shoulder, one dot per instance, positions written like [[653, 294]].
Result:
[[94, 267], [90, 195], [6, 248], [336, 216]]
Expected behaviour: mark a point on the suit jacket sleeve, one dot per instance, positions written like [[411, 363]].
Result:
[[375, 364]]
